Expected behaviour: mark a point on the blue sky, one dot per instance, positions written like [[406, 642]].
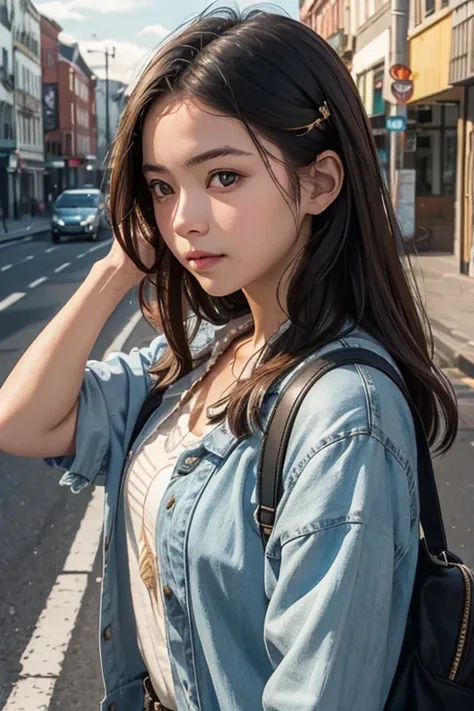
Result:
[[133, 27]]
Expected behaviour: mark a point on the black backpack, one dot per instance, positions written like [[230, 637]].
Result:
[[436, 667]]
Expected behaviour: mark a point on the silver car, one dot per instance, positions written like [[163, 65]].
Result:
[[78, 212]]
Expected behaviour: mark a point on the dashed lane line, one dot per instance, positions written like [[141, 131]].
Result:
[[39, 281], [12, 299], [63, 266]]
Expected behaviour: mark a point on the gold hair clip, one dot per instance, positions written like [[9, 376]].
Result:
[[325, 114]]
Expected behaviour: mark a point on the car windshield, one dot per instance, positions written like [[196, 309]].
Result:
[[78, 200]]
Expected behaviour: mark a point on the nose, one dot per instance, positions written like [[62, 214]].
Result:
[[190, 218]]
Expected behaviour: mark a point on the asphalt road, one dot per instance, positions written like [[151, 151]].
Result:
[[39, 520]]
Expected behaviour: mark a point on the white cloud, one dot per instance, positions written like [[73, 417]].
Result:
[[108, 6], [74, 9], [59, 11], [128, 56], [157, 30]]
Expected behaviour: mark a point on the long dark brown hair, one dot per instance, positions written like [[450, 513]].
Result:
[[273, 73]]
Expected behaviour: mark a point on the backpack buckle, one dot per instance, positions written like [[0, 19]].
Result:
[[266, 517]]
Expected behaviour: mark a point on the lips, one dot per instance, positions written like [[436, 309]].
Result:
[[205, 261], [198, 254]]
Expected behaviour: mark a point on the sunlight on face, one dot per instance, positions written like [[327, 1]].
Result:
[[213, 194]]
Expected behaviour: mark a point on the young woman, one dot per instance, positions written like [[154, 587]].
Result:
[[247, 202]]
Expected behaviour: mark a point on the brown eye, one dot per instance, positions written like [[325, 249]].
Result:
[[161, 189]]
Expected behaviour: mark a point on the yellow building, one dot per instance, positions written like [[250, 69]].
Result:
[[462, 76], [433, 118]]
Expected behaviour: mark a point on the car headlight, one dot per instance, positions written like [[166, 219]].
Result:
[[58, 220], [89, 220]]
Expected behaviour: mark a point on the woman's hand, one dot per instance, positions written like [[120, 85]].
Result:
[[124, 265]]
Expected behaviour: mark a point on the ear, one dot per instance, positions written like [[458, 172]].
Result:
[[321, 183]]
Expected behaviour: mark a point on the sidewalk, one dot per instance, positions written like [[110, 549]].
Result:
[[449, 300], [24, 227]]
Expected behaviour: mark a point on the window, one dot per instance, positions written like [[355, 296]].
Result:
[[68, 144], [378, 102], [5, 60], [429, 7], [91, 199], [436, 154], [71, 78], [72, 114]]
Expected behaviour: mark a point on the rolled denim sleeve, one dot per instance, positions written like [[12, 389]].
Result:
[[111, 395], [332, 555]]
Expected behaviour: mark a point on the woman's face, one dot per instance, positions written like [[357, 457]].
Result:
[[212, 193]]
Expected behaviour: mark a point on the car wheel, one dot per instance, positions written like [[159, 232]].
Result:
[[55, 238]]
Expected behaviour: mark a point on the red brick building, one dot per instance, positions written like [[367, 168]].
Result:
[[69, 109]]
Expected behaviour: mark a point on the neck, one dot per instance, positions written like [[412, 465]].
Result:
[[265, 324]]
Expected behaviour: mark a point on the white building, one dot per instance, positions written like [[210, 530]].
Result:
[[7, 115], [371, 23], [28, 105]]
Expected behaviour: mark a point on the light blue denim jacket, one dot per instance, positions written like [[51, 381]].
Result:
[[316, 622]]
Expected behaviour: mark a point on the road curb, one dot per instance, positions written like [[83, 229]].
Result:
[[451, 353]]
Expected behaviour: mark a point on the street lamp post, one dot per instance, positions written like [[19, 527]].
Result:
[[107, 53]]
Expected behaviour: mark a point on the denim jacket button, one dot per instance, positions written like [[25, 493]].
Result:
[[129, 455], [107, 633], [167, 591], [190, 460], [170, 503]]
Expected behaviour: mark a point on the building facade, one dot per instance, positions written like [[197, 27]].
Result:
[[29, 169], [461, 75], [331, 19], [370, 66], [70, 115], [7, 112], [54, 179], [434, 112]]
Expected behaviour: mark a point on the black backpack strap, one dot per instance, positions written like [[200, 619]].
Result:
[[276, 438]]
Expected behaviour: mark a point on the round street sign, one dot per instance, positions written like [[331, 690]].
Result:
[[402, 88]]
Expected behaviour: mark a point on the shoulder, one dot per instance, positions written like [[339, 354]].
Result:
[[355, 400], [352, 454]]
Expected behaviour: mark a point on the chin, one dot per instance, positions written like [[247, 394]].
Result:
[[217, 289]]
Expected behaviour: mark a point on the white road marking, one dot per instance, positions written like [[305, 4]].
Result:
[[99, 246], [27, 259], [6, 267], [50, 249], [63, 266], [117, 343], [37, 282], [44, 655], [12, 299], [16, 241]]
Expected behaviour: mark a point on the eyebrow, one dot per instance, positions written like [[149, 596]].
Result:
[[200, 158]]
